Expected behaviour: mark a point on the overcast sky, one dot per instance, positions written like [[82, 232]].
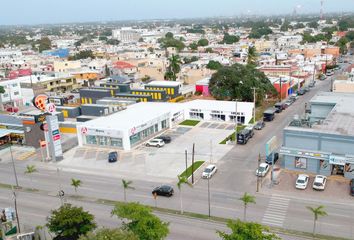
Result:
[[61, 11]]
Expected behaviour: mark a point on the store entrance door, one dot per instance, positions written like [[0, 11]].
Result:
[[337, 170]]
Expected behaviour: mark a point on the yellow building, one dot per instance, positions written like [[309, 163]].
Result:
[[66, 66]]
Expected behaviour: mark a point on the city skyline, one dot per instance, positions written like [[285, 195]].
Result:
[[40, 12]]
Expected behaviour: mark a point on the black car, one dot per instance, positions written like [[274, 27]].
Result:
[[269, 158], [301, 92], [352, 187], [259, 125], [166, 139], [112, 157], [163, 190]]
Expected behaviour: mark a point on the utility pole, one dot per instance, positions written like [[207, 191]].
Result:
[[236, 121], [186, 157], [211, 151], [193, 164], [13, 164], [16, 212], [259, 162], [280, 88], [314, 72], [254, 105], [208, 197]]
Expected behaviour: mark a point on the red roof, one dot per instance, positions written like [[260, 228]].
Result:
[[122, 65], [341, 34]]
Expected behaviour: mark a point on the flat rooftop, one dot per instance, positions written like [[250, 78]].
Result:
[[341, 118]]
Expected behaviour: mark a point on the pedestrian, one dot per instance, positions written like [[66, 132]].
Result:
[[3, 216]]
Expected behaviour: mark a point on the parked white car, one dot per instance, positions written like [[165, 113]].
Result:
[[302, 181], [209, 171], [156, 142], [262, 170], [320, 182]]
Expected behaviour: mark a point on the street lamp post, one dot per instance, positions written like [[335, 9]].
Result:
[[16, 212]]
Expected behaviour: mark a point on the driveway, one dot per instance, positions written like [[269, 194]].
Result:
[[150, 163]]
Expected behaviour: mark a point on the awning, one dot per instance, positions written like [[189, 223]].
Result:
[[5, 132]]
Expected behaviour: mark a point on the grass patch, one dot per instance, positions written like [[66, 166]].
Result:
[[232, 136], [265, 104], [189, 122], [187, 173]]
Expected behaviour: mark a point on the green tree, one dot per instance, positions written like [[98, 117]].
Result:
[[182, 181], [82, 55], [285, 26], [247, 231], [259, 31], [174, 67], [109, 234], [213, 65], [312, 24], [203, 42], [2, 91], [209, 50], [252, 55], [30, 169], [126, 186], [76, 183], [171, 42], [247, 199], [342, 44], [69, 222], [350, 35], [317, 212], [141, 221], [151, 49], [230, 39], [44, 44], [237, 81], [113, 42], [193, 46], [169, 35]]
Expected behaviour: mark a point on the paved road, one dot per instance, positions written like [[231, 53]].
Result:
[[34, 208], [235, 176]]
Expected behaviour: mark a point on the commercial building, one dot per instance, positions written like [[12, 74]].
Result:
[[127, 128], [323, 142], [126, 35]]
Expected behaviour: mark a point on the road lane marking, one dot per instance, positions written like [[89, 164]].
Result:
[[276, 211]]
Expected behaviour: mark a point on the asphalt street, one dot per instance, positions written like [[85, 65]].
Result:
[[235, 176]]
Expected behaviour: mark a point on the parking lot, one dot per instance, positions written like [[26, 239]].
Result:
[[337, 187], [150, 163]]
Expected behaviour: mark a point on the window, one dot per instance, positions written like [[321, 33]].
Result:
[[16, 93], [116, 142], [103, 141], [156, 128], [14, 85], [91, 139], [300, 162]]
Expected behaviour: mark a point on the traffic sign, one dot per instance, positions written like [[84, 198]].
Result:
[[51, 108], [84, 130], [56, 137], [55, 132]]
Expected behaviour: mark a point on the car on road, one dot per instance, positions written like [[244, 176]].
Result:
[[269, 158], [352, 187], [112, 157], [156, 142], [262, 170], [301, 91], [163, 190], [320, 182], [165, 138], [259, 125], [302, 181], [288, 102], [209, 171]]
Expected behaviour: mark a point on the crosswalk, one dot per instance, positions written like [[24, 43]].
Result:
[[276, 211]]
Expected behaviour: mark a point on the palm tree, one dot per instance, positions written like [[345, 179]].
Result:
[[29, 170], [252, 55], [246, 199], [182, 180], [174, 68], [76, 183], [126, 185], [319, 211]]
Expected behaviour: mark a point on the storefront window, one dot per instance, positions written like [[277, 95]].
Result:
[[164, 124], [91, 139], [156, 127], [300, 162], [103, 141], [116, 142], [134, 138]]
